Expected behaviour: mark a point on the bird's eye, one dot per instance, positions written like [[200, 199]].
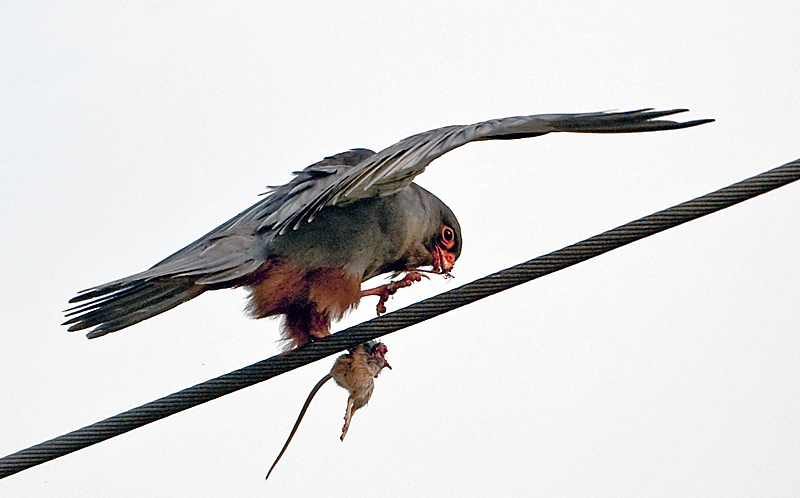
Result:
[[448, 237]]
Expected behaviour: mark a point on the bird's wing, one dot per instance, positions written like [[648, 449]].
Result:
[[231, 250], [395, 167]]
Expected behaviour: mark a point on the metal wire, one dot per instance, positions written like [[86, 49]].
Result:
[[405, 317]]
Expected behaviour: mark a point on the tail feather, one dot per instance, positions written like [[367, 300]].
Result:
[[109, 309], [212, 262], [97, 292]]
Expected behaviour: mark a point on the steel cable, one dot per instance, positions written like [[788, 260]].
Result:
[[405, 317]]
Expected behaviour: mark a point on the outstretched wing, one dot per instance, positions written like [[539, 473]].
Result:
[[395, 167]]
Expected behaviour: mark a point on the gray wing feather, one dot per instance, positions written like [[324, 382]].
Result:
[[395, 167]]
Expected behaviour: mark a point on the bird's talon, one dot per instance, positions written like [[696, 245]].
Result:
[[387, 290]]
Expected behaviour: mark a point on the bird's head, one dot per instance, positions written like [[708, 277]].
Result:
[[444, 250], [446, 243]]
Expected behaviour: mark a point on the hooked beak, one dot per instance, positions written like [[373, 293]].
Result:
[[443, 260]]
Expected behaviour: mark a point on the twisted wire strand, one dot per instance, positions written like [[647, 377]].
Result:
[[405, 317]]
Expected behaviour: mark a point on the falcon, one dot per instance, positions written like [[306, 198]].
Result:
[[305, 248]]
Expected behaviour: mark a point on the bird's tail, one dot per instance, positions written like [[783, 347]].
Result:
[[220, 259], [120, 304]]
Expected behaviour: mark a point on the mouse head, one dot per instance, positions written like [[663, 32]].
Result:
[[377, 352]]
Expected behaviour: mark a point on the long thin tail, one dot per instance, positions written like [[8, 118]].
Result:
[[299, 419], [121, 304]]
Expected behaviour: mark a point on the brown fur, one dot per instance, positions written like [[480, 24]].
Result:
[[309, 300], [355, 372]]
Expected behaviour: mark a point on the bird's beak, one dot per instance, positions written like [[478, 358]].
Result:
[[443, 260]]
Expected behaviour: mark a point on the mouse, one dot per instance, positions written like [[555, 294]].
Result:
[[354, 371]]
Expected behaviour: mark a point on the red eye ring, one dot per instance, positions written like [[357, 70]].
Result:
[[448, 237]]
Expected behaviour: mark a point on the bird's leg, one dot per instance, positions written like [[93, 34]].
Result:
[[386, 290], [348, 416]]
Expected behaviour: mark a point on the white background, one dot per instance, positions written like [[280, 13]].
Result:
[[666, 368]]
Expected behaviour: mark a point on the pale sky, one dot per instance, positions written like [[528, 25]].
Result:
[[666, 368]]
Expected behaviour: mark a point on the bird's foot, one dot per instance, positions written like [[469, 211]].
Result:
[[386, 290]]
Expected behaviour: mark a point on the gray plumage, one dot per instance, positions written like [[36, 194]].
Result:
[[357, 211]]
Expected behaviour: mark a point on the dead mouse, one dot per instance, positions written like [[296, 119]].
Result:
[[353, 371]]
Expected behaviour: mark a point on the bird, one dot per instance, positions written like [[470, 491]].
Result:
[[353, 371], [305, 248]]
